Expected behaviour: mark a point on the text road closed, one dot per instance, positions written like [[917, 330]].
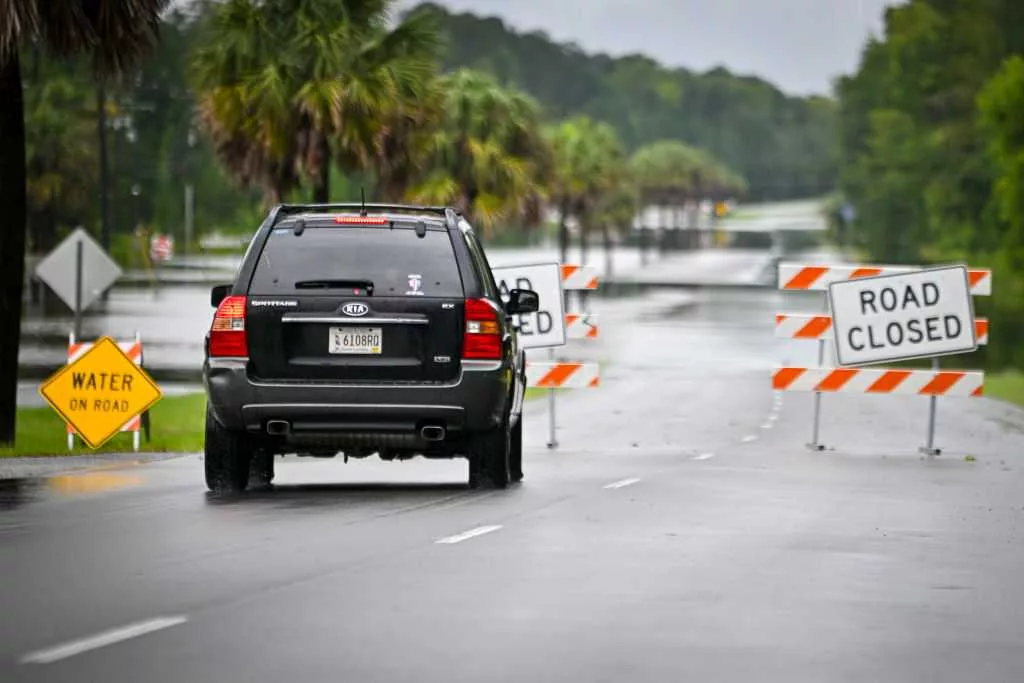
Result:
[[908, 315], [546, 327]]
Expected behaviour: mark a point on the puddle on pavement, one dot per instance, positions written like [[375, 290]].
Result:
[[91, 482]]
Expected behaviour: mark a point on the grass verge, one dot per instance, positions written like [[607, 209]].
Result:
[[177, 427], [1008, 386]]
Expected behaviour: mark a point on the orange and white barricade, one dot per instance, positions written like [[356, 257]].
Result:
[[805, 326], [800, 277], [932, 383], [581, 325], [133, 349], [554, 375], [579, 277], [563, 375]]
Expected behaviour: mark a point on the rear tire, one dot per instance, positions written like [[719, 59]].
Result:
[[261, 472], [489, 458], [227, 457], [515, 458]]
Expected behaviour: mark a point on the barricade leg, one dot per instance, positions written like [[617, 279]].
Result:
[[933, 404], [552, 438]]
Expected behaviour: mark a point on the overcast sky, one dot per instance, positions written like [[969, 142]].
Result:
[[799, 45]]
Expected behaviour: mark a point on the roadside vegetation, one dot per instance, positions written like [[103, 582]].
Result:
[[932, 155]]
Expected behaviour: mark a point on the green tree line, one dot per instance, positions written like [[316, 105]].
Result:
[[932, 149], [785, 147]]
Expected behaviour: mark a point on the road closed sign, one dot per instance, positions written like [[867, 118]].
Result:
[[916, 314], [546, 327], [100, 392]]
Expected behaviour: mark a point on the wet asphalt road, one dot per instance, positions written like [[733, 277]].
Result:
[[681, 531]]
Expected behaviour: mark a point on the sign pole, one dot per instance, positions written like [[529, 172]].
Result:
[[552, 438], [78, 289], [71, 432], [816, 444], [933, 402]]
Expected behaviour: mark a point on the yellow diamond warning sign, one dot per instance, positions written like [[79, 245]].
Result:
[[100, 391]]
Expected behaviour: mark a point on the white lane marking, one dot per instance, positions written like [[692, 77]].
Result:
[[704, 456], [773, 417], [749, 439], [472, 533], [767, 425], [116, 635], [622, 483]]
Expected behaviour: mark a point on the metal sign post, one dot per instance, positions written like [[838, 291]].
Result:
[[933, 406]]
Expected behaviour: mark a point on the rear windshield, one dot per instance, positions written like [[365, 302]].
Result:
[[325, 259]]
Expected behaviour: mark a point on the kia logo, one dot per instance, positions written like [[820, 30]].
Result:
[[355, 309]]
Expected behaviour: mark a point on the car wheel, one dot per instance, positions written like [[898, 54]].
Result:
[[489, 458], [227, 457], [261, 472], [515, 458]]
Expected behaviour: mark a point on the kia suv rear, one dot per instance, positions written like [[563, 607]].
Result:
[[363, 330]]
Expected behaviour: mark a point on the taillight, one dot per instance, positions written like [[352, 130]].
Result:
[[227, 334], [482, 339]]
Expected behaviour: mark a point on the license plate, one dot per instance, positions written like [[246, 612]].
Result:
[[357, 340]]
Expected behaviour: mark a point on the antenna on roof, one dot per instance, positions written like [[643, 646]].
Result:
[[362, 208]]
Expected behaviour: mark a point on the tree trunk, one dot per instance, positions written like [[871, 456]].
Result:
[[12, 238], [563, 233], [609, 253], [101, 131], [322, 182]]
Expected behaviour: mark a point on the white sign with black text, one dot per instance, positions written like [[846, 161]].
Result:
[[546, 327], [919, 314]]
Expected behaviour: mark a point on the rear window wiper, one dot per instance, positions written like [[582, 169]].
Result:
[[336, 284]]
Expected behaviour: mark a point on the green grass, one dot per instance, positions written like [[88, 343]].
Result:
[[176, 424], [1008, 386], [177, 427]]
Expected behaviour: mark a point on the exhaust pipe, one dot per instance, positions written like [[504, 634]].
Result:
[[278, 427], [432, 433]]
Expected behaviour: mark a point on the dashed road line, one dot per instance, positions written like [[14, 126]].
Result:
[[116, 635], [704, 456], [750, 438], [621, 483], [767, 425], [466, 535]]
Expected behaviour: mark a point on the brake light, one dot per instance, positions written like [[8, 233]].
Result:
[[482, 339], [360, 220], [227, 334]]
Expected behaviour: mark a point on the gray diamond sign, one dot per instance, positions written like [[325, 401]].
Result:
[[58, 270]]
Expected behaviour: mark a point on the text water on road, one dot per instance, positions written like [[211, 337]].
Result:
[[898, 317]]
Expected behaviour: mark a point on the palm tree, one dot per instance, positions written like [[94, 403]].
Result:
[[115, 35], [288, 88], [588, 164], [670, 173], [488, 156]]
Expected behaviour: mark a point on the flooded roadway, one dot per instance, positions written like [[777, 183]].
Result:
[[680, 531]]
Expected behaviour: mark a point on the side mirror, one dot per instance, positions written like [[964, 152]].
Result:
[[218, 294], [522, 301]]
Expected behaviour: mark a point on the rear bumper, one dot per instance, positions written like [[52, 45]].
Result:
[[474, 402]]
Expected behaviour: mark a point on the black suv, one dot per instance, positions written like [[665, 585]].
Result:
[[364, 329]]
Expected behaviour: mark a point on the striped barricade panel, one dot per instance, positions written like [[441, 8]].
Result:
[[562, 375], [880, 381], [578, 277], [581, 325], [796, 276], [804, 326], [133, 350]]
